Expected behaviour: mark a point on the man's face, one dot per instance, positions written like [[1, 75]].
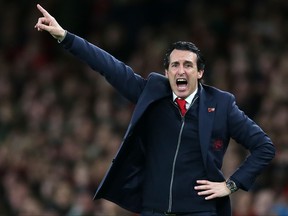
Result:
[[183, 73]]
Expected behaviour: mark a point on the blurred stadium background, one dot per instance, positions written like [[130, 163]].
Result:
[[61, 123]]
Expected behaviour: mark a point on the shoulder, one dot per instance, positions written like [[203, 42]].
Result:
[[157, 84], [216, 92], [157, 79], [157, 76], [224, 98]]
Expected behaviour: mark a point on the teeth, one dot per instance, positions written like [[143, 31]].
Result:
[[181, 80]]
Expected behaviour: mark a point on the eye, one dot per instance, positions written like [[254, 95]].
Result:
[[189, 65], [174, 65]]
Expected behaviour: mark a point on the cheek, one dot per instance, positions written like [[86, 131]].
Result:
[[169, 74], [171, 79]]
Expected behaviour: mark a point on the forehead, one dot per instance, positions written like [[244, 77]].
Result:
[[182, 55]]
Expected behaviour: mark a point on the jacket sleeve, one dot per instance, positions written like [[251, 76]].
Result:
[[118, 74], [246, 132]]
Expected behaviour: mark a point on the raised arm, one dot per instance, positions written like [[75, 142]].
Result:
[[48, 23], [117, 73]]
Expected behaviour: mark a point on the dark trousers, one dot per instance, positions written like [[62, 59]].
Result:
[[153, 213]]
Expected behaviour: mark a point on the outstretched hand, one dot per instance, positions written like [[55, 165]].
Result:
[[48, 23]]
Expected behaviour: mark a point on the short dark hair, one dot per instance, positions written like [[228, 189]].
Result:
[[185, 45]]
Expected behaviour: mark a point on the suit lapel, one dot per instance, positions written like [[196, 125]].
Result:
[[207, 109]]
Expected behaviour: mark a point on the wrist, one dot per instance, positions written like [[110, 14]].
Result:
[[62, 37], [231, 185]]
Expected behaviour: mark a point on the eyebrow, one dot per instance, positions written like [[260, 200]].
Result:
[[185, 62]]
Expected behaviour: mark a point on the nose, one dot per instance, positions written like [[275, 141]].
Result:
[[181, 70]]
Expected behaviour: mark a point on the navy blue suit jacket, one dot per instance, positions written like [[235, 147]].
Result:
[[219, 120]]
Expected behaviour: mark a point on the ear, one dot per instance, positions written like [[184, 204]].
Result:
[[200, 74], [166, 73]]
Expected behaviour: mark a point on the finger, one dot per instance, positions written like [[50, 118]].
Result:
[[43, 20], [202, 181], [212, 196], [201, 187], [43, 11], [209, 194], [206, 192], [42, 27], [43, 24]]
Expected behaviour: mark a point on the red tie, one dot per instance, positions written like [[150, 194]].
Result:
[[182, 105]]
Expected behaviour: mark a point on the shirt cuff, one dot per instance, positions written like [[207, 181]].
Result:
[[59, 41]]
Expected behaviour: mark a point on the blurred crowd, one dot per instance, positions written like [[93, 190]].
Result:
[[61, 123]]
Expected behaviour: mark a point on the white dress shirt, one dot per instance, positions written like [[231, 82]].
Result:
[[188, 99]]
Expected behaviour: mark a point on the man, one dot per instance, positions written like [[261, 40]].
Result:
[[170, 160]]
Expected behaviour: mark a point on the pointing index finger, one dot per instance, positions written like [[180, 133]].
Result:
[[43, 11]]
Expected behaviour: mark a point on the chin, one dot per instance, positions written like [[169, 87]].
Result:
[[182, 94]]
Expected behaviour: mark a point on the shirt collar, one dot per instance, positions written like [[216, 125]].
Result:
[[189, 98]]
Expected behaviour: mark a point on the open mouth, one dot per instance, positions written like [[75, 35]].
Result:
[[181, 83]]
